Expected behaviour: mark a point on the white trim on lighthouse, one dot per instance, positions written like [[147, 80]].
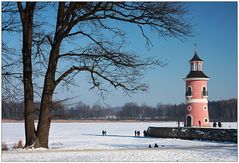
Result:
[[188, 101], [187, 79]]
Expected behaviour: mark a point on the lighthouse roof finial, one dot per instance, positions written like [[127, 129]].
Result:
[[195, 57], [195, 45]]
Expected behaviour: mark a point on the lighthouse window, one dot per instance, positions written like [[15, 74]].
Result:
[[205, 108], [189, 92], [205, 120], [199, 66], [204, 91], [192, 68], [189, 108]]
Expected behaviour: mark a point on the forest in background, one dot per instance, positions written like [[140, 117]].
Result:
[[224, 110]]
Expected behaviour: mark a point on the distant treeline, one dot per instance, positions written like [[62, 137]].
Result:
[[225, 110]]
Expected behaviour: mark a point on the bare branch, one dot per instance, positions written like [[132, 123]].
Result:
[[147, 39]]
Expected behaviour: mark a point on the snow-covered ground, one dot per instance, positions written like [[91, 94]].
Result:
[[84, 142]]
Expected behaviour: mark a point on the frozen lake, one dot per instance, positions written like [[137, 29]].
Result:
[[84, 139]]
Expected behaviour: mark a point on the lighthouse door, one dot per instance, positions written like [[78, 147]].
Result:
[[189, 121]]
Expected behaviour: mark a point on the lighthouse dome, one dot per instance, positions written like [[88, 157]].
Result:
[[196, 67], [196, 58]]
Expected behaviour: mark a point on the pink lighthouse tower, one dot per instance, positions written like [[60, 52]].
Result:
[[196, 94]]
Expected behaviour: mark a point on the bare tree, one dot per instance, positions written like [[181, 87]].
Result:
[[103, 59], [97, 47], [26, 14], [12, 76], [18, 18]]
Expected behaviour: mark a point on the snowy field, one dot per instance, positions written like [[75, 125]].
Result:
[[84, 142]]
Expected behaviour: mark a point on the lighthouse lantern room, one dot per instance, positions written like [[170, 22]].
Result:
[[196, 94]]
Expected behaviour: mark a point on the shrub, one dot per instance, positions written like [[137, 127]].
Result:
[[4, 146], [20, 144], [15, 146]]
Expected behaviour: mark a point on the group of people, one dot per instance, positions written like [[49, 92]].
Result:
[[215, 124], [155, 145], [103, 132], [137, 133]]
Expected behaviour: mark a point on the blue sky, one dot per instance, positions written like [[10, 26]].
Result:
[[215, 32]]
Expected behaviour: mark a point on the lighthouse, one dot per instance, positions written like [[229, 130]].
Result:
[[196, 94]]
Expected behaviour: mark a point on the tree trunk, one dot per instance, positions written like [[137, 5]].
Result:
[[27, 25], [44, 119], [28, 89], [29, 116], [46, 102], [43, 127]]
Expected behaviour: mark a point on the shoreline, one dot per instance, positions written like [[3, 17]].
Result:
[[86, 121]]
